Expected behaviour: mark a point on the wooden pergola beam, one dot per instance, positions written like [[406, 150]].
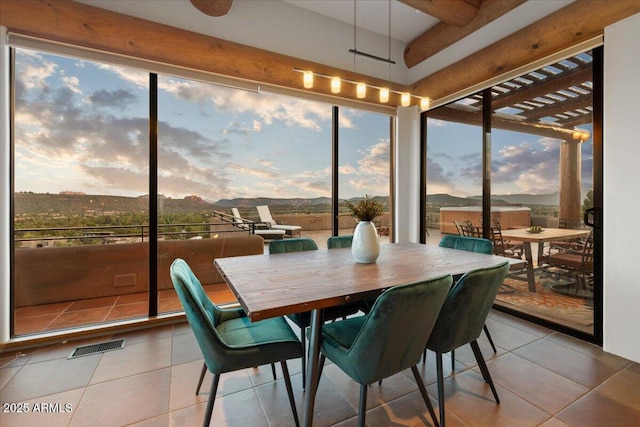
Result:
[[550, 85], [577, 22], [453, 12], [443, 35], [499, 122]]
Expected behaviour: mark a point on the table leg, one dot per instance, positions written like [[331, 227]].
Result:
[[531, 278], [315, 336]]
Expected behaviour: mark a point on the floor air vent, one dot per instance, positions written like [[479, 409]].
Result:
[[88, 350]]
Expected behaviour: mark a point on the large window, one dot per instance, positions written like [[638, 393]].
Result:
[[80, 190], [91, 182], [364, 165]]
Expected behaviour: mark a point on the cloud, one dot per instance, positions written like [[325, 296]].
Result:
[[119, 98]]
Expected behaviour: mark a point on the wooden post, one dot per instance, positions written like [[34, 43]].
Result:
[[570, 184]]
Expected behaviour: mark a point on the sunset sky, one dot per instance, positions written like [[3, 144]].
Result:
[[82, 126]]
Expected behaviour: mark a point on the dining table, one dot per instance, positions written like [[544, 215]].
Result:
[[279, 284], [527, 237]]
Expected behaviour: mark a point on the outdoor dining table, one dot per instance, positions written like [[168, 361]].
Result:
[[274, 285], [547, 235]]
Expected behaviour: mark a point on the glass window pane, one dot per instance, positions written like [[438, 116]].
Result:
[[81, 180], [364, 165]]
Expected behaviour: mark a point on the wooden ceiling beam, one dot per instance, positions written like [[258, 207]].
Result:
[[453, 12], [443, 35], [577, 22], [95, 28], [559, 107]]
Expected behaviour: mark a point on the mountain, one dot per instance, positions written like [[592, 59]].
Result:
[[259, 201]]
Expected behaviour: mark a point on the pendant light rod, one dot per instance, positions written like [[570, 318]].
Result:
[[374, 57]]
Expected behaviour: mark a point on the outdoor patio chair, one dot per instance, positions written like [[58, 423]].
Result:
[[389, 339], [303, 320], [461, 319], [228, 340], [266, 233], [577, 265], [265, 216]]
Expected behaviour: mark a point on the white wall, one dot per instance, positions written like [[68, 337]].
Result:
[[621, 213], [407, 184]]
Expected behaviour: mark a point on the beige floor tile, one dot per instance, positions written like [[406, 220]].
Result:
[[597, 410], [541, 387], [125, 401], [52, 411]]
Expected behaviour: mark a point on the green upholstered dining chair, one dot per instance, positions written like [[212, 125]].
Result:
[[303, 320], [228, 340], [470, 244], [297, 244], [337, 242], [389, 339], [461, 320]]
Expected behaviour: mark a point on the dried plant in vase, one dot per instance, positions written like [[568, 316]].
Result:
[[366, 209]]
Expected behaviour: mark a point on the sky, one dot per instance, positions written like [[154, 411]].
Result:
[[82, 126]]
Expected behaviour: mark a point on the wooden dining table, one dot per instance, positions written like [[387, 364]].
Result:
[[547, 235], [273, 285]]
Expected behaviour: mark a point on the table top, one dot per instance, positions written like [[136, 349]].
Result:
[[274, 285], [549, 234]]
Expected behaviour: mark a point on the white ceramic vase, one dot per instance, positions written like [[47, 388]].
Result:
[[365, 247]]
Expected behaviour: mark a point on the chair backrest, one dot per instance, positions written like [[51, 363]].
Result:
[[265, 215], [466, 309], [336, 242], [202, 314], [587, 254], [297, 244], [238, 219], [394, 333], [470, 244]]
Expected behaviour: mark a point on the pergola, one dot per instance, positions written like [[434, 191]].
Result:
[[552, 102]]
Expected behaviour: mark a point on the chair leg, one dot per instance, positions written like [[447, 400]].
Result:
[[273, 370], [483, 368], [440, 387], [486, 332], [453, 360], [363, 405], [211, 401], [424, 355], [425, 396], [204, 371], [287, 383]]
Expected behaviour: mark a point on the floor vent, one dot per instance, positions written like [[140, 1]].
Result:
[[88, 350]]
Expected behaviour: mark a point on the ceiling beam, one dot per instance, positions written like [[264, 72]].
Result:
[[442, 35], [88, 26], [453, 12], [578, 22], [213, 7]]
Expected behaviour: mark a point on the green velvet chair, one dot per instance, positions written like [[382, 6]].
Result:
[[303, 320], [389, 339], [228, 340], [337, 242], [461, 319], [469, 244]]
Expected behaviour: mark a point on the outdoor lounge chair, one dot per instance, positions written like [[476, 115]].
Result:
[[266, 233], [265, 216]]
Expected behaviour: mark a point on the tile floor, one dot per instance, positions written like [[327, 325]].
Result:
[[543, 378]]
